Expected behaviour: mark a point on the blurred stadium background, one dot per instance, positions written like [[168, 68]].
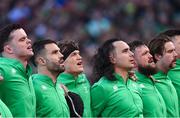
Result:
[[90, 22]]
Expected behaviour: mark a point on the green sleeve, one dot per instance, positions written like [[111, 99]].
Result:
[[98, 100], [37, 91], [4, 111], [1, 75]]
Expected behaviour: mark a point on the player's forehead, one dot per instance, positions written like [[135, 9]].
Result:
[[120, 45]]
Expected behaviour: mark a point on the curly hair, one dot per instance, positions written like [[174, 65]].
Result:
[[102, 65]]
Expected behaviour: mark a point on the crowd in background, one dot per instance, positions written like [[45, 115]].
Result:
[[91, 21]]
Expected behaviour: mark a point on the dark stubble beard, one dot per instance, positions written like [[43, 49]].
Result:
[[56, 69], [172, 64], [148, 70]]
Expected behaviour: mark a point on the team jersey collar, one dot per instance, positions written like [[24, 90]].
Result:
[[43, 78]]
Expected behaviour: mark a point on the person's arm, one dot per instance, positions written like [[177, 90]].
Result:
[[1, 75], [98, 100]]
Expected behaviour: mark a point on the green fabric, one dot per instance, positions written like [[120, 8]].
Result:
[[50, 99], [174, 75], [4, 111], [116, 98], [153, 103], [168, 92], [16, 89], [80, 86]]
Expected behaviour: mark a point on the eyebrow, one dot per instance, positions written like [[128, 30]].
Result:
[[126, 49], [170, 50], [23, 37], [56, 50], [145, 52]]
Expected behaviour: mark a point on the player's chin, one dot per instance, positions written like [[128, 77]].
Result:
[[30, 53], [152, 65], [80, 69], [173, 65], [131, 66]]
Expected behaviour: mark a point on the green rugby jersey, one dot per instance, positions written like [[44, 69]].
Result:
[[116, 98], [153, 103], [16, 89], [50, 99], [174, 75], [79, 85], [168, 92], [4, 111]]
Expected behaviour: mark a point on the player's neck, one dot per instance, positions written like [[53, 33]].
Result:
[[161, 67], [51, 75], [122, 72], [23, 60]]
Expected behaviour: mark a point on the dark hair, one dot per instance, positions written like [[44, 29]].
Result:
[[38, 46], [5, 34], [133, 45], [156, 45], [102, 65], [67, 47], [171, 32]]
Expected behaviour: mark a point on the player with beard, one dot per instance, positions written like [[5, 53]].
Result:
[[164, 55], [174, 73], [50, 99], [153, 103]]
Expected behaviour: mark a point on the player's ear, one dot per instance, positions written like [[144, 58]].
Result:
[[40, 60], [111, 58], [8, 49]]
